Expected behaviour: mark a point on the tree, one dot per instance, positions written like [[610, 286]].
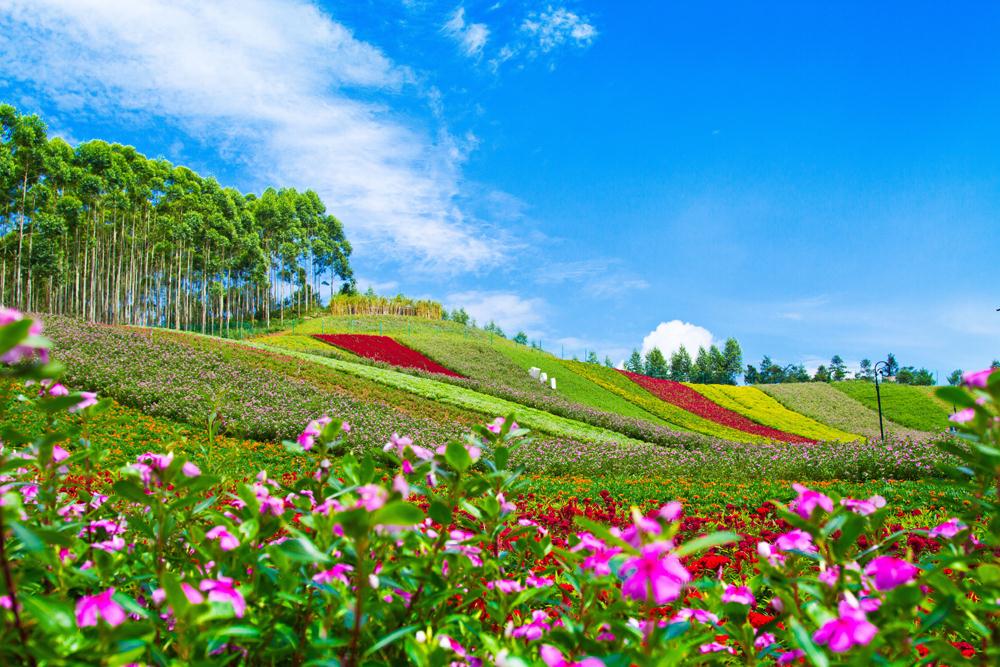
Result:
[[822, 374], [892, 365], [521, 338], [733, 361], [795, 373], [701, 370], [955, 377], [770, 372], [716, 366], [592, 358], [838, 369], [656, 364], [460, 316], [910, 375], [865, 370], [680, 365], [750, 375], [995, 363], [608, 362], [634, 363], [494, 328]]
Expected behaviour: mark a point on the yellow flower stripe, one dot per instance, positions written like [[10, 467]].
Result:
[[758, 406]]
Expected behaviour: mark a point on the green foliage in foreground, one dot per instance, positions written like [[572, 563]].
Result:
[[337, 566], [909, 406]]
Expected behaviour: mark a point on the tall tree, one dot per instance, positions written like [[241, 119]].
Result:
[[680, 365], [656, 364], [733, 357], [634, 363], [838, 369]]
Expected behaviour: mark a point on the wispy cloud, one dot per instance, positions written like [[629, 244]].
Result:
[[511, 311], [471, 37], [544, 32], [281, 85], [599, 278]]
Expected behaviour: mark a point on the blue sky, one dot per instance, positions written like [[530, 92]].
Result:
[[811, 178]]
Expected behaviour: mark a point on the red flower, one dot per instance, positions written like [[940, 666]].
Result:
[[386, 350]]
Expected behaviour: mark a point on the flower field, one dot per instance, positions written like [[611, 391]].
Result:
[[761, 408], [909, 406], [125, 540], [688, 399], [820, 401], [386, 350]]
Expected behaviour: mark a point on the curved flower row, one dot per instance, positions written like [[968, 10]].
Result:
[[687, 398], [385, 349]]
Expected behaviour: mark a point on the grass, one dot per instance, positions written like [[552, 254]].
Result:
[[825, 404], [467, 399], [909, 406], [758, 406]]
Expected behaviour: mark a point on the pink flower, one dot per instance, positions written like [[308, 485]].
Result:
[[535, 628], [88, 398], [221, 590], [553, 657], [496, 426], [849, 630], [91, 607], [335, 573], [963, 416], [864, 507], [227, 541], [372, 497], [400, 486], [23, 351], [808, 500], [345, 427], [653, 574], [764, 640], [312, 431], [505, 506], [57, 389], [948, 529], [59, 454], [739, 595], [671, 511], [699, 615], [190, 470], [977, 378], [790, 656], [889, 572], [507, 586], [795, 540], [715, 647]]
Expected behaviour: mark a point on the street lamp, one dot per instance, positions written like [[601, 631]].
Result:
[[881, 368]]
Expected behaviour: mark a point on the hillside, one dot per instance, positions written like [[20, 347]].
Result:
[[909, 406]]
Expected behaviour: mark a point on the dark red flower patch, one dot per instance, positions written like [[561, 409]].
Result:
[[386, 350], [688, 399]]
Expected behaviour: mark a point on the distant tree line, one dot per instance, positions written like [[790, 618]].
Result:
[[100, 231], [769, 372], [371, 303], [955, 377], [711, 366]]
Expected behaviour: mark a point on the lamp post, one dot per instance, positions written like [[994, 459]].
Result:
[[881, 368]]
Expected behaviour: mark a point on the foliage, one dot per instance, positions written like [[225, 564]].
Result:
[[761, 408], [909, 406], [340, 565], [372, 304], [822, 402], [102, 232]]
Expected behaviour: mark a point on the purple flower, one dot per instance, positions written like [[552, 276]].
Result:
[[790, 656], [948, 529], [963, 416], [795, 540], [864, 507], [91, 607], [671, 511], [654, 575], [227, 541], [889, 572], [849, 630], [221, 590], [312, 431], [977, 378], [335, 573], [88, 398], [739, 595], [808, 500], [535, 628], [715, 647], [553, 657], [699, 615], [190, 470]]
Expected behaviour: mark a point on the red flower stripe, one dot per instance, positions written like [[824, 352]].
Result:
[[386, 350], [688, 399]]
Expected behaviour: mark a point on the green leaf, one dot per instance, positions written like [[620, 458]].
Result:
[[707, 542], [457, 456], [805, 642], [500, 457], [390, 638], [13, 334], [30, 542], [129, 490], [960, 398], [440, 512], [398, 513], [303, 550], [941, 612]]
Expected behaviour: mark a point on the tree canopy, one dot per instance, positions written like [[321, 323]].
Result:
[[103, 232]]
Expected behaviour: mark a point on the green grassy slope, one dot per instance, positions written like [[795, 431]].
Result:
[[761, 408], [825, 404], [909, 406]]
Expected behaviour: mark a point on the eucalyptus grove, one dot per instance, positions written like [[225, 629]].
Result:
[[102, 232]]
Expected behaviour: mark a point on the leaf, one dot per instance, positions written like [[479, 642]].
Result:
[[13, 334], [707, 542], [500, 457], [805, 642], [457, 456], [29, 541], [390, 638], [957, 397], [131, 491], [303, 550], [398, 513], [440, 512], [941, 612]]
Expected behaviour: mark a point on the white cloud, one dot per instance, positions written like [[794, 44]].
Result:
[[554, 27], [669, 336], [512, 312], [471, 37], [278, 85], [600, 278], [384, 287]]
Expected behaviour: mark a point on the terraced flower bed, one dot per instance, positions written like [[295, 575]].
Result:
[[386, 350], [687, 398]]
